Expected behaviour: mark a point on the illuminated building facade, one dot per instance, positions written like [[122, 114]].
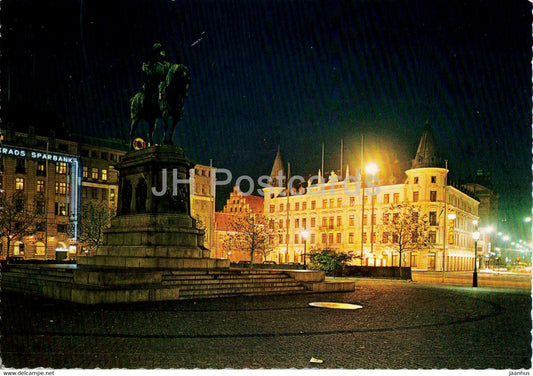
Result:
[[53, 176], [236, 204], [202, 200], [338, 215]]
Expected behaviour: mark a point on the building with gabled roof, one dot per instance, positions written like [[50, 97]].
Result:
[[237, 203], [337, 215]]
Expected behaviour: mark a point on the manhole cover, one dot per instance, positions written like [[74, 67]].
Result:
[[335, 305]]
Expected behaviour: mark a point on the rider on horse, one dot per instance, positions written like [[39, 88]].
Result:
[[164, 91], [155, 71]]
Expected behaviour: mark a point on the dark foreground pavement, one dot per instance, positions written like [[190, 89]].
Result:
[[401, 325]]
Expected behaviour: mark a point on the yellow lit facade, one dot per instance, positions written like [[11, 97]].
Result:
[[338, 215]]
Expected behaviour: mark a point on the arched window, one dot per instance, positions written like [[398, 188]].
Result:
[[18, 248], [39, 249]]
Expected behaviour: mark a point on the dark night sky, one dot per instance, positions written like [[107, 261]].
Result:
[[297, 73]]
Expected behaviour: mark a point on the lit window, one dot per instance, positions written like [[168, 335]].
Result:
[[41, 168], [61, 188], [415, 196], [61, 168], [19, 184], [39, 248], [104, 174], [396, 198], [40, 185], [61, 209], [85, 172], [94, 173]]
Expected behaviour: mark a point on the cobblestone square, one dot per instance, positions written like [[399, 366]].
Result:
[[401, 325]]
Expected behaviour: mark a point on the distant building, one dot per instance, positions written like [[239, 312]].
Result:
[[482, 187], [336, 216], [202, 200], [236, 204]]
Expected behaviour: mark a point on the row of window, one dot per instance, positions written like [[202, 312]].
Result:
[[433, 180], [104, 155], [62, 188], [61, 208], [96, 173], [331, 238], [98, 193], [338, 203], [62, 168], [331, 222]]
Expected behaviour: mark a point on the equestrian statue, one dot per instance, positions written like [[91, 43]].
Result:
[[163, 97]]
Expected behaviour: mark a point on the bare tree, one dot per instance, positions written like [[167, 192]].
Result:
[[95, 217], [406, 228], [17, 218], [251, 233]]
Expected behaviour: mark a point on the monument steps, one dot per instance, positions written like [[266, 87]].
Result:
[[208, 284], [206, 294]]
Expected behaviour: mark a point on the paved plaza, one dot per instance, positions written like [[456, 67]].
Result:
[[402, 324]]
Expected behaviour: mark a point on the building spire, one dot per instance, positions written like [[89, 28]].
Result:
[[277, 167], [427, 154]]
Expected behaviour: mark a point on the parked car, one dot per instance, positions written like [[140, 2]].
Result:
[[244, 263], [269, 262]]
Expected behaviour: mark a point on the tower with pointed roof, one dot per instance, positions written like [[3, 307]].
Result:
[[278, 170], [427, 154], [427, 179]]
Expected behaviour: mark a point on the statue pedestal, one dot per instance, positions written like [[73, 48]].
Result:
[[153, 227]]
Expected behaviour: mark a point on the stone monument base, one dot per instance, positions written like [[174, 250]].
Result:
[[162, 241]]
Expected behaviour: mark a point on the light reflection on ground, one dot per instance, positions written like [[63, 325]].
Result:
[[334, 305]]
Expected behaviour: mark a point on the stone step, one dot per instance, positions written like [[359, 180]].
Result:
[[238, 286], [228, 271], [47, 274], [224, 277], [189, 294], [229, 282]]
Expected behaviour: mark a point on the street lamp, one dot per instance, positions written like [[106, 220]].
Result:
[[305, 236], [372, 169], [475, 235]]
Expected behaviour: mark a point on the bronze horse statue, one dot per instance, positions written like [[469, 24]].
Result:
[[166, 105]]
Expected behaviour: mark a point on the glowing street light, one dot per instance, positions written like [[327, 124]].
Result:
[[475, 235], [305, 236], [373, 169]]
